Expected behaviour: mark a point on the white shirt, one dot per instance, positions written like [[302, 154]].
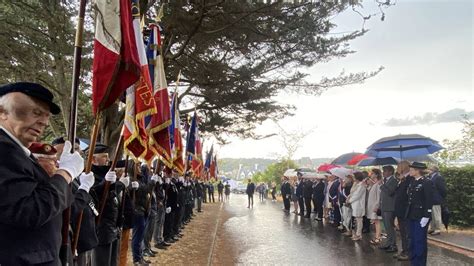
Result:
[[25, 149]]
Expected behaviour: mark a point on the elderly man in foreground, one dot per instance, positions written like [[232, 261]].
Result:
[[31, 202]]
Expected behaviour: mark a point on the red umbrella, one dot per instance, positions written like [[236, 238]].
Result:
[[326, 167], [357, 158]]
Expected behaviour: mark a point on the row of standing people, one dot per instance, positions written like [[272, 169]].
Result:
[[408, 195]]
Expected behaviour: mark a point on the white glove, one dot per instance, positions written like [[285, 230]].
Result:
[[135, 184], [87, 181], [154, 178], [168, 210], [111, 176], [125, 180], [160, 180], [424, 221], [71, 162]]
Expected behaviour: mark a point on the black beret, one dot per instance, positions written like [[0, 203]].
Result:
[[34, 90], [418, 165], [61, 140], [99, 148]]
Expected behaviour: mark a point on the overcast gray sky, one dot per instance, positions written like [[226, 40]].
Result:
[[426, 48]]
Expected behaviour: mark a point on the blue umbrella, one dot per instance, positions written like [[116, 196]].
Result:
[[403, 146]]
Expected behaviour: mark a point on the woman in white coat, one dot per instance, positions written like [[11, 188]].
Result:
[[357, 201], [373, 201]]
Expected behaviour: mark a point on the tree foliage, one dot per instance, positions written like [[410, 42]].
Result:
[[37, 44], [274, 172], [462, 148], [235, 57]]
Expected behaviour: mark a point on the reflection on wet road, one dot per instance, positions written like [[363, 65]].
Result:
[[266, 235]]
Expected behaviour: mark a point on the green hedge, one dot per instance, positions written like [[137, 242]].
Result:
[[460, 198]]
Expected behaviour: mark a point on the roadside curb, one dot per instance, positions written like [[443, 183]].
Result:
[[454, 247]]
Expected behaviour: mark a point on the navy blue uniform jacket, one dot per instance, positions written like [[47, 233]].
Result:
[[31, 205]]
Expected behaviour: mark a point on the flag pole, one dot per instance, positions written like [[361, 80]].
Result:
[[64, 252], [88, 167]]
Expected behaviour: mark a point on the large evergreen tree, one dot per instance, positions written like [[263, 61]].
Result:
[[235, 56]]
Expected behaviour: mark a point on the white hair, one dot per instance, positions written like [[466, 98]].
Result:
[[6, 103]]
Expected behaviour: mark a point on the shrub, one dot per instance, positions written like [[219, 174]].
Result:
[[460, 198]]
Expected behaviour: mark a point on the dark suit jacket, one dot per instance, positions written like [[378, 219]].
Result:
[[401, 197], [318, 191], [31, 204], [387, 195], [286, 189], [307, 189], [439, 189], [83, 202]]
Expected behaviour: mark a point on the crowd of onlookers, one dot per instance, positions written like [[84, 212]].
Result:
[[405, 199]]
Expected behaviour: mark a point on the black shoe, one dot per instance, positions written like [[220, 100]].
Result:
[[147, 253], [170, 240], [391, 250], [384, 247], [161, 245], [153, 251]]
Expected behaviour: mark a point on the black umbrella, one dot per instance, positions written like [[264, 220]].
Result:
[[445, 215]]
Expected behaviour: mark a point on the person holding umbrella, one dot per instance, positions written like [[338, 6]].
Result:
[[420, 202]]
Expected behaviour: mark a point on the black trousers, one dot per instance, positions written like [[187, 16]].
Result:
[[286, 202], [307, 202], [301, 205], [404, 226], [250, 199], [168, 230], [365, 224], [211, 197], [318, 207]]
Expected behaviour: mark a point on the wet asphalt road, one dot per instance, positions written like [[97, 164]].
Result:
[[265, 235]]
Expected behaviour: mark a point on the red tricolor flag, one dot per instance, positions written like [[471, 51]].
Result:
[[159, 123], [116, 63], [140, 101]]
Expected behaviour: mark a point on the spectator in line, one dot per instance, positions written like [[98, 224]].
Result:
[[374, 182], [439, 196], [286, 194], [357, 202], [401, 202], [387, 206]]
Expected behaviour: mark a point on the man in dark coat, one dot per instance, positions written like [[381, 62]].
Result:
[[387, 206], [170, 210], [299, 193], [106, 252], [401, 203], [307, 193], [318, 198], [249, 191], [31, 202], [439, 196], [286, 194], [199, 195]]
